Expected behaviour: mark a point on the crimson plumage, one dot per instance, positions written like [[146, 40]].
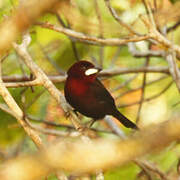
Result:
[[87, 95]]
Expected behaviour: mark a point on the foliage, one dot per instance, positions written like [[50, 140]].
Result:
[[54, 52]]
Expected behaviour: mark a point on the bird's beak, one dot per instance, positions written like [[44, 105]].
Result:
[[91, 71], [99, 69]]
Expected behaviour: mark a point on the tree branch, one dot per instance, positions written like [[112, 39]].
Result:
[[91, 157], [92, 39]]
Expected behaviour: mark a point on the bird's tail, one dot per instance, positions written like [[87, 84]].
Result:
[[125, 121]]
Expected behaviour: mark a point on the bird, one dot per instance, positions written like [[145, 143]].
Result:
[[88, 96]]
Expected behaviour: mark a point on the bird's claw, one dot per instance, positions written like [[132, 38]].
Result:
[[75, 111], [90, 123], [67, 114]]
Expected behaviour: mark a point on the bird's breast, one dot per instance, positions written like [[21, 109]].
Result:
[[77, 87]]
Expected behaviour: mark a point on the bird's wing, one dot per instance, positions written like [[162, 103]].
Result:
[[102, 94]]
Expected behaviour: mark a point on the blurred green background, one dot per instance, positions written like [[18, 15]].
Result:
[[53, 52]]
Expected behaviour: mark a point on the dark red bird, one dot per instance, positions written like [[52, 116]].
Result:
[[87, 95]]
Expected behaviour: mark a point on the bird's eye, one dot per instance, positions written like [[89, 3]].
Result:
[[83, 68]]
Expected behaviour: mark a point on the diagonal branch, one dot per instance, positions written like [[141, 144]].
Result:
[[142, 91], [18, 113], [23, 17], [149, 98], [79, 157], [92, 39], [173, 69], [116, 17], [44, 80]]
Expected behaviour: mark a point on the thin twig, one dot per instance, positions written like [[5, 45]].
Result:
[[142, 92], [92, 39], [145, 5], [116, 17], [53, 63], [124, 83], [174, 70], [21, 20], [171, 28], [115, 57], [27, 106], [23, 81], [78, 156], [138, 88], [53, 124], [118, 71], [158, 37], [74, 48], [148, 99], [18, 114], [144, 164], [101, 51], [148, 53], [155, 5]]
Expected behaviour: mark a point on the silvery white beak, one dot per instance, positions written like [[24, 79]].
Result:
[[92, 71]]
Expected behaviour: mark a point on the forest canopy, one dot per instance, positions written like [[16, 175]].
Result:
[[135, 43]]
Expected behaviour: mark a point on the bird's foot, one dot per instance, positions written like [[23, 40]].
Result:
[[76, 112], [90, 123], [67, 114]]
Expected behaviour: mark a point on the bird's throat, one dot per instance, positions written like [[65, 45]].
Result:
[[78, 87]]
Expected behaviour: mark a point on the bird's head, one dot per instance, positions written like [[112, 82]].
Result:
[[83, 70]]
